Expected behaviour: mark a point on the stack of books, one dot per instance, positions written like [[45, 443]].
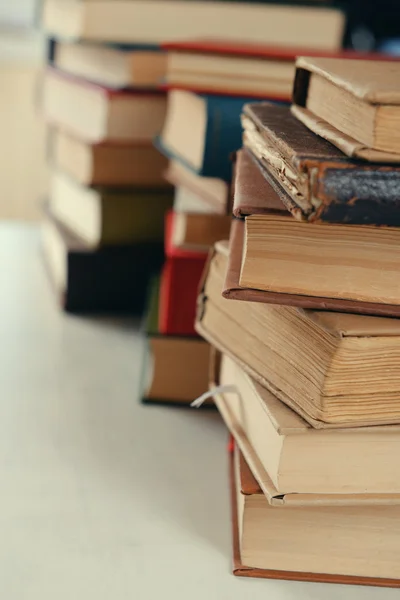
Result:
[[104, 217], [208, 84], [306, 331]]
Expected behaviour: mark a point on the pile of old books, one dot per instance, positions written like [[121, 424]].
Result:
[[208, 84], [302, 309]]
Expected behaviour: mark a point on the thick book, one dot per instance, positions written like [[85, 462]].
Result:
[[358, 263], [105, 164], [203, 194], [334, 369], [353, 104], [233, 290], [296, 464], [114, 67], [313, 178], [96, 113], [338, 544], [180, 281], [105, 216], [215, 132], [144, 22], [106, 280]]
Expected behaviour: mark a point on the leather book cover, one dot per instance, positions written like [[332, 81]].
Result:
[[249, 486], [252, 193], [113, 279], [375, 83], [314, 179], [233, 291]]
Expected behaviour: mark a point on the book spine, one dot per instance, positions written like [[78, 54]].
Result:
[[223, 135], [368, 196]]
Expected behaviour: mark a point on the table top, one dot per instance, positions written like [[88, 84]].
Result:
[[102, 497]]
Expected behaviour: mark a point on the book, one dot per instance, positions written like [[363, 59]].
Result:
[[96, 113], [115, 164], [201, 131], [338, 544], [110, 279], [177, 369], [234, 291], [299, 464], [210, 193], [252, 194], [144, 22], [313, 178], [228, 67], [109, 216], [180, 281], [334, 369], [113, 67], [353, 104], [360, 263], [198, 232]]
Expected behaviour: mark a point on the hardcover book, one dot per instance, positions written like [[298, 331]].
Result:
[[335, 370], [353, 104], [105, 164], [338, 544], [180, 280], [296, 464], [314, 179], [105, 216], [144, 22], [210, 193], [97, 114], [113, 279], [202, 131], [175, 369], [114, 67]]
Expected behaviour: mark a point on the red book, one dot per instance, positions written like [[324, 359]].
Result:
[[180, 281]]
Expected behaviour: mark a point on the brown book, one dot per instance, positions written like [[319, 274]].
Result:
[[107, 164], [198, 232], [177, 369], [346, 545], [313, 178], [252, 194], [354, 104], [335, 370], [295, 464], [236, 289]]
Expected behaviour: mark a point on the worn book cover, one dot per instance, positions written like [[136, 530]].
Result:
[[313, 178]]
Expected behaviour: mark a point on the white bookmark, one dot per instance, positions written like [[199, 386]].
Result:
[[220, 389]]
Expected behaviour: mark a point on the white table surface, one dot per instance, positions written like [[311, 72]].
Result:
[[100, 496]]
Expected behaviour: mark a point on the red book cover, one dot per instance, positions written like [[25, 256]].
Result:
[[233, 48], [180, 281]]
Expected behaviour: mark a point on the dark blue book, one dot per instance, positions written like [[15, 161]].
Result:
[[202, 131]]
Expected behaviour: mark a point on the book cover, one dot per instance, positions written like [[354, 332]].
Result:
[[313, 178], [112, 279], [372, 83]]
